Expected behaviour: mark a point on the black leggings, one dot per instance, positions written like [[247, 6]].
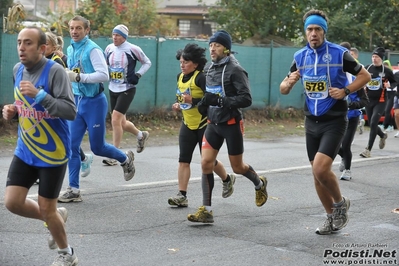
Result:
[[374, 111], [345, 151]]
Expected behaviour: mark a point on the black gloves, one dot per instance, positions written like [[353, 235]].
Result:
[[209, 99], [134, 79], [202, 108], [212, 99]]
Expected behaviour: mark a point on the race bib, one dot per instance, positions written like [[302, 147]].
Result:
[[316, 87], [216, 90], [374, 84], [180, 99], [117, 75]]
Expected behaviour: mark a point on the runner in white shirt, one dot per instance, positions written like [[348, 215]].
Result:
[[122, 58]]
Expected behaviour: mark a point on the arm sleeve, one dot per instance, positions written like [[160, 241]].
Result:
[[144, 60], [350, 64], [60, 101], [239, 80], [100, 73]]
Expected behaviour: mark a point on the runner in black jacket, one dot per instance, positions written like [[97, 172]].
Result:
[[227, 90]]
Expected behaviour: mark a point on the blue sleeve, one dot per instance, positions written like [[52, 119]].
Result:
[[40, 96]]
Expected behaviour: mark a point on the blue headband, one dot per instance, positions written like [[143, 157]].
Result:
[[124, 35], [318, 20]]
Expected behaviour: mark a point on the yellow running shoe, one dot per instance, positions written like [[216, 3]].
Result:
[[261, 194], [201, 216]]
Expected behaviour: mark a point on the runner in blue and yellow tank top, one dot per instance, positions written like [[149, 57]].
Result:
[[190, 90], [43, 102], [321, 67]]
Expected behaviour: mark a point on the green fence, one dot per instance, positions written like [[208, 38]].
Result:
[[266, 67]]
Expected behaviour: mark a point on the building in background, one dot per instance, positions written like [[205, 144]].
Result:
[[190, 16]]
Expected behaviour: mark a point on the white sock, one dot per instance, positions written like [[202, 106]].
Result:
[[66, 250], [208, 208], [127, 160], [259, 186], [140, 135], [75, 190], [339, 204]]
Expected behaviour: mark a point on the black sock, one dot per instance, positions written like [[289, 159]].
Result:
[[184, 193], [227, 179]]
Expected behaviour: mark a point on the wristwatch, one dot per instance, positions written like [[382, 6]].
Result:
[[138, 75], [347, 91], [78, 77]]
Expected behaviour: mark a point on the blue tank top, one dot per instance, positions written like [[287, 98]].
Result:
[[79, 62], [321, 69], [43, 140]]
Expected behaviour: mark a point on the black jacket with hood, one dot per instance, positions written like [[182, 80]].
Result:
[[236, 92]]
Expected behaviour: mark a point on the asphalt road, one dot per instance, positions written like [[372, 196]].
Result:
[[130, 223]]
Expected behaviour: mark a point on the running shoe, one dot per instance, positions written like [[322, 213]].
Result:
[[201, 216], [340, 215], [85, 166], [346, 175], [70, 196], [228, 187], [65, 259], [179, 200], [383, 140], [365, 153], [326, 228], [128, 168], [142, 141], [261, 194]]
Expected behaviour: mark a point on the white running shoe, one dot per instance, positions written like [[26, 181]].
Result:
[[346, 175], [85, 166], [389, 129]]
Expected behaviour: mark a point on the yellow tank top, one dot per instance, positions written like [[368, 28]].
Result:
[[54, 57], [191, 117]]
